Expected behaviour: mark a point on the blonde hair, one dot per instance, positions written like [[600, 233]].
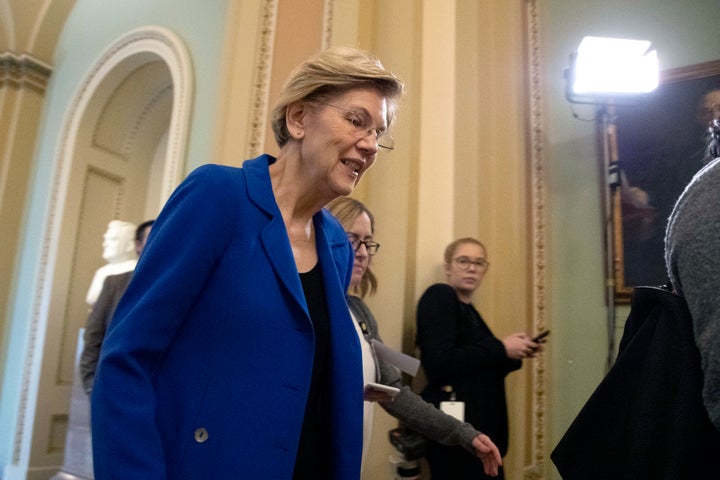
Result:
[[332, 71], [346, 210], [452, 248]]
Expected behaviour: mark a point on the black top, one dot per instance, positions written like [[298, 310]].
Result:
[[459, 350], [313, 454]]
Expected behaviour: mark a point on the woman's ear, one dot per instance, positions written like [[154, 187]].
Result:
[[295, 118], [446, 269]]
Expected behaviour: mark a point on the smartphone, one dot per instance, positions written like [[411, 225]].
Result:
[[541, 335], [392, 391]]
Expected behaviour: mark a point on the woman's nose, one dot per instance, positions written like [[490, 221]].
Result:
[[369, 142]]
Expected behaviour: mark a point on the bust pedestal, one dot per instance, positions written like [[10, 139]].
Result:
[[77, 463]]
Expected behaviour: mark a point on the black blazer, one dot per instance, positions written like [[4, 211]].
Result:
[[97, 324]]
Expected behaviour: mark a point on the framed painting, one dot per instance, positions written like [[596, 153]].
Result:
[[661, 144]]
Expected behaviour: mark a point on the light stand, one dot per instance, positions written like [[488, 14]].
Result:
[[611, 195], [608, 72]]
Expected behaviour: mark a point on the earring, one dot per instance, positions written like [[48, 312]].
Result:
[[300, 134]]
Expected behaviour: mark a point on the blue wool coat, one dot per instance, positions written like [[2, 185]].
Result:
[[206, 367]]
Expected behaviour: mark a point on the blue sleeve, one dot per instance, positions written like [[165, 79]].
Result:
[[188, 237]]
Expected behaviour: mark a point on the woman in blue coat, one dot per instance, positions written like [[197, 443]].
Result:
[[232, 353]]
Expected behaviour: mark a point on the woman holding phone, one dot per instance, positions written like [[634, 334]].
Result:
[[464, 362]]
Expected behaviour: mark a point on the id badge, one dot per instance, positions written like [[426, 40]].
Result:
[[454, 409]]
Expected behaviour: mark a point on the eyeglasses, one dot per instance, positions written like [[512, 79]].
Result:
[[362, 125], [371, 246], [464, 263]]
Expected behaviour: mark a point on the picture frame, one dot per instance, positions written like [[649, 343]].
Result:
[[660, 145]]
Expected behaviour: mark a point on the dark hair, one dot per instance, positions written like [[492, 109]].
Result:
[[140, 230]]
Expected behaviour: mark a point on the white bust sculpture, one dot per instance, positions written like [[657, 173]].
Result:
[[119, 251]]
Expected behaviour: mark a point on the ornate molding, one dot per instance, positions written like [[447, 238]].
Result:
[[536, 131], [22, 71], [263, 70], [328, 14], [148, 109]]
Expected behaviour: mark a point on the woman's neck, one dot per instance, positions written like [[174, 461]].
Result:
[[464, 297]]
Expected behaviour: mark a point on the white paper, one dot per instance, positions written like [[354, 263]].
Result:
[[404, 362]]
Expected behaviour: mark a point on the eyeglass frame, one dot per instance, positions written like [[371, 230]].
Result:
[[482, 264], [371, 246], [360, 130]]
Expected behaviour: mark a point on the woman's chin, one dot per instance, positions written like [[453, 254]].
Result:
[[356, 279]]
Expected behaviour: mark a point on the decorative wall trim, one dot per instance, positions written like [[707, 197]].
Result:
[[328, 14], [536, 134], [148, 109], [263, 70], [133, 48], [22, 71]]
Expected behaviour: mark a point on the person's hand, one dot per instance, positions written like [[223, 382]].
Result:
[[488, 453], [520, 345], [637, 197]]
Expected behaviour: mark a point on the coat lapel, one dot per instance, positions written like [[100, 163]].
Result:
[[273, 235]]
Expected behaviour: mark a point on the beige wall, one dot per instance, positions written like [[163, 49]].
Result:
[[460, 166], [459, 170]]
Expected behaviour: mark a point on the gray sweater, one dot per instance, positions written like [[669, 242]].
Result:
[[412, 411], [692, 256]]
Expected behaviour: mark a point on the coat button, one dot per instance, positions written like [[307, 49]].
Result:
[[201, 435]]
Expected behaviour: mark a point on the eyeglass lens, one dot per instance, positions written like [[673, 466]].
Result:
[[362, 126], [371, 246], [464, 263]]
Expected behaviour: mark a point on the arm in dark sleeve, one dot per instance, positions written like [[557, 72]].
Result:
[[691, 251], [94, 335], [421, 416], [409, 408]]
